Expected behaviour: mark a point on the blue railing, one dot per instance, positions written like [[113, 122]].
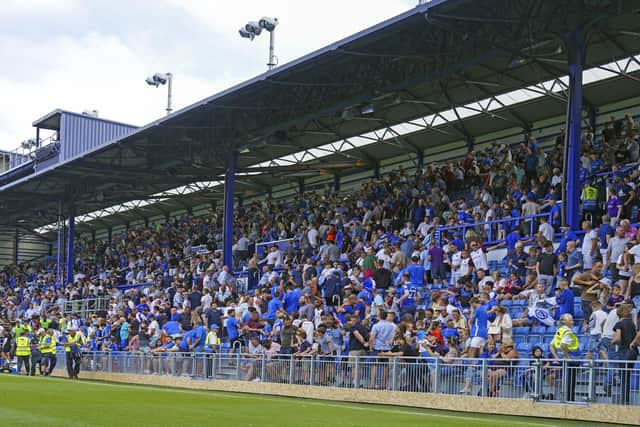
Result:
[[494, 226]]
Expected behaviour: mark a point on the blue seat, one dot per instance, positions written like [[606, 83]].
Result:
[[534, 339], [519, 339], [506, 303], [540, 330], [519, 303], [521, 330], [577, 329], [523, 348]]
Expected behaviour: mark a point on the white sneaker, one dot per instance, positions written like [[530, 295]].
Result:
[[256, 380]]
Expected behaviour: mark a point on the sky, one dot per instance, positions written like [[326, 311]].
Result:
[[94, 55]]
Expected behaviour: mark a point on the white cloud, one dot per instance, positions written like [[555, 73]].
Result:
[[101, 64]]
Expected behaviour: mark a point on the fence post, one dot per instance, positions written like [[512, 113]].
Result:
[[483, 382], [394, 374], [591, 397], [565, 380], [356, 373], [436, 375], [109, 362], [292, 370], [263, 367], [214, 365], [312, 371], [237, 366], [537, 390]]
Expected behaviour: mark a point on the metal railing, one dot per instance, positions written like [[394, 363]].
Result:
[[544, 380], [527, 224], [85, 307]]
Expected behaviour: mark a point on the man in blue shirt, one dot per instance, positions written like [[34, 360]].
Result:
[[273, 307], [564, 298], [380, 340], [292, 299], [567, 236], [233, 330], [408, 294], [479, 333], [416, 271]]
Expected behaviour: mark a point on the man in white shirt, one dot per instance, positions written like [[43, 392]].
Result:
[[589, 245], [478, 257], [456, 260], [312, 235], [424, 227], [545, 229]]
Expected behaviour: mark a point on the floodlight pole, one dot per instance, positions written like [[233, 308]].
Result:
[[272, 56], [169, 94]]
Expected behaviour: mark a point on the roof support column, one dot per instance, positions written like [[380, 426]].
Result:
[[376, 170], [420, 155], [573, 136], [471, 142], [16, 247], [229, 183], [59, 245], [336, 183], [109, 234], [70, 238], [593, 121], [301, 186]]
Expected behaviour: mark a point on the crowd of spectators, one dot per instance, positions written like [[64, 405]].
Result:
[[369, 271]]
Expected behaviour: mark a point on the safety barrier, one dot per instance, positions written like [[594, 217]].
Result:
[[540, 380], [526, 223], [85, 307]]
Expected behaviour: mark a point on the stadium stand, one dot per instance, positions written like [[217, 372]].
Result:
[[314, 273]]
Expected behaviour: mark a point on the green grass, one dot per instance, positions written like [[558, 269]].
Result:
[[38, 401]]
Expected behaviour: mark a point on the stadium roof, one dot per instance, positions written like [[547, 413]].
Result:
[[441, 72]]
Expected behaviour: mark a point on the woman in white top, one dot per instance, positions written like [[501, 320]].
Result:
[[501, 328], [624, 264]]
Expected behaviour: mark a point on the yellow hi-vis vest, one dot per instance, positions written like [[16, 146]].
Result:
[[77, 340], [47, 344], [559, 336], [590, 192], [23, 346]]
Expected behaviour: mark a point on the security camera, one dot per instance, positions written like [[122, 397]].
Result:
[[253, 27], [268, 24], [246, 34], [151, 82]]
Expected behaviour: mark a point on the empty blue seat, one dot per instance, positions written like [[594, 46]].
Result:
[[577, 329], [521, 330], [540, 330], [506, 303], [523, 348], [519, 339], [534, 339], [519, 303]]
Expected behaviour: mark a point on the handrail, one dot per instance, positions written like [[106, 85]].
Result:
[[516, 220]]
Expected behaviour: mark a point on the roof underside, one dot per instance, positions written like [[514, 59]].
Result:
[[437, 56]]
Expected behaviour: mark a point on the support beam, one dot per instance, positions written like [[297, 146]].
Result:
[[573, 137], [420, 157], [16, 247], [376, 170], [109, 234], [336, 183], [471, 143], [593, 120], [60, 245], [301, 186], [70, 240], [229, 183]]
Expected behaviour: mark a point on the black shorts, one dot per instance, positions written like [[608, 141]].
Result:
[[236, 340]]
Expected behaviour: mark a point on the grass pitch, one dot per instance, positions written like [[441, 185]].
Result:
[[34, 401]]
